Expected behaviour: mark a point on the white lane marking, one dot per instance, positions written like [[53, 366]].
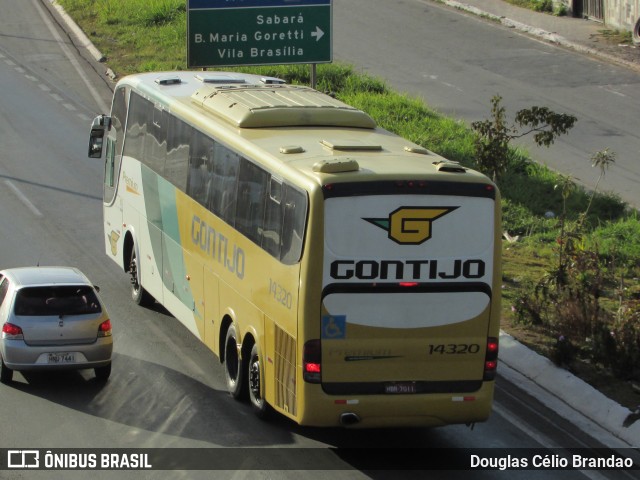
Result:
[[609, 89], [23, 198], [446, 84]]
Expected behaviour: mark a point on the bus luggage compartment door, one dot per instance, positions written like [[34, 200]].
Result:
[[404, 343]]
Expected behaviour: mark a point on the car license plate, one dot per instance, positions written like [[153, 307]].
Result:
[[62, 358], [400, 388]]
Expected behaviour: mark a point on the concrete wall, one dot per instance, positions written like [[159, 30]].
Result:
[[621, 14], [618, 14]]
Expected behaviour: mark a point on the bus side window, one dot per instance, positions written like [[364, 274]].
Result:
[[178, 148], [156, 141], [226, 206], [273, 219], [118, 117], [295, 215], [200, 167], [137, 127], [109, 166], [114, 147], [252, 187]]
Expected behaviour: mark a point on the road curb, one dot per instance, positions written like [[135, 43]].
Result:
[[571, 390], [77, 31]]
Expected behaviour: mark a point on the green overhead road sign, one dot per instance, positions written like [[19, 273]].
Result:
[[258, 32]]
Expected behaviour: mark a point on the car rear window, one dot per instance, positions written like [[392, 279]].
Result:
[[57, 300]]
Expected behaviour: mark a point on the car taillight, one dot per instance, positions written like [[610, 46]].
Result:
[[11, 331], [312, 361], [491, 359], [104, 330]]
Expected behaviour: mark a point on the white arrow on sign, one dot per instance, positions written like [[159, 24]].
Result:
[[318, 34]]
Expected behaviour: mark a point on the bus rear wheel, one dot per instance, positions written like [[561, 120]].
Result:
[[138, 293], [255, 377], [233, 368]]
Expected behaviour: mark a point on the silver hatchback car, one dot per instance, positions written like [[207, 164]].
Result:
[[52, 318]]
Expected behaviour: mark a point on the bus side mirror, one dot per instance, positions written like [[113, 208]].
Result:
[[100, 125]]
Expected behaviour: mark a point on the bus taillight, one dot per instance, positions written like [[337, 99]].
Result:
[[311, 361], [491, 359]]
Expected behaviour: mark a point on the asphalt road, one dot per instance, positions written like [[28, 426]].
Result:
[[166, 389], [457, 62]]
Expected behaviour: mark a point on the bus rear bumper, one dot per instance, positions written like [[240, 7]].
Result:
[[379, 411]]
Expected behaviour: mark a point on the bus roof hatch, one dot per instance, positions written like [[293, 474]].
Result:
[[278, 106]]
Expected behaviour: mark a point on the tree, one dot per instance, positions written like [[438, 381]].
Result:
[[493, 136]]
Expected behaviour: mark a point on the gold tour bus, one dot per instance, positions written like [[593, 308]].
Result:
[[342, 274]]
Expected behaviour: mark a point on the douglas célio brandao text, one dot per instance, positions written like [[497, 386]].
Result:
[[549, 461]]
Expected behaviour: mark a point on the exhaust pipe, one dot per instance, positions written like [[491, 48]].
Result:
[[347, 419]]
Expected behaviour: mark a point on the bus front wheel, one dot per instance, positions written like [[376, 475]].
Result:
[[138, 293], [233, 370], [255, 377]]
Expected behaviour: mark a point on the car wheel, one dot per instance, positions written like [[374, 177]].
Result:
[[6, 374], [255, 376], [102, 373], [233, 370], [138, 293]]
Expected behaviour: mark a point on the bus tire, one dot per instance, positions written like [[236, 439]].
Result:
[[138, 294], [636, 33], [255, 376], [233, 368]]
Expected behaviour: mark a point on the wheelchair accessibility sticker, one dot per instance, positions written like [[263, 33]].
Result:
[[334, 326]]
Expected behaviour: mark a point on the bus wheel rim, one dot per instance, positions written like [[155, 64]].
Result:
[[254, 378], [231, 360], [133, 269]]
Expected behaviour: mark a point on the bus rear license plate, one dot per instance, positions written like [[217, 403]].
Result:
[[399, 388], [61, 358]]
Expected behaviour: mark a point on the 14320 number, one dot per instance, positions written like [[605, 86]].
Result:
[[454, 349]]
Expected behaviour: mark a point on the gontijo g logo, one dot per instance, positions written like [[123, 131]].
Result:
[[410, 225]]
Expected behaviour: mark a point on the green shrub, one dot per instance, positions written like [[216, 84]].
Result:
[[625, 360], [564, 352], [544, 6], [619, 240]]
